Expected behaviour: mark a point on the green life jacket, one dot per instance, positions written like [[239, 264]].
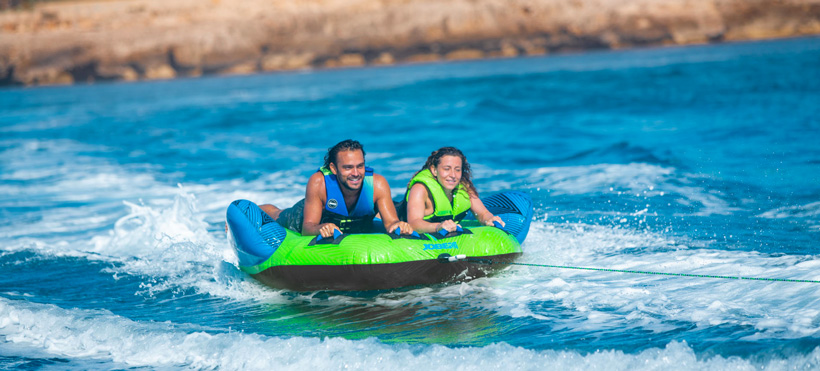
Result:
[[443, 209]]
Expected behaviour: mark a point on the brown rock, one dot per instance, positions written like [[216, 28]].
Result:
[[118, 39], [273, 62], [424, 57], [241, 68], [463, 54], [508, 50], [284, 62], [117, 72], [159, 72], [346, 60], [384, 58], [46, 76]]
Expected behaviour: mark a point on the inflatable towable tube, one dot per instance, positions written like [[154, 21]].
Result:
[[282, 258]]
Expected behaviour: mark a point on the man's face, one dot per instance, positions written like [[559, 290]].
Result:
[[349, 169]]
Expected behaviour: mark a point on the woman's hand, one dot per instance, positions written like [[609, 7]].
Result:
[[493, 218]]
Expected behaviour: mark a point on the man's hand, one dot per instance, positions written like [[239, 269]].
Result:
[[326, 229], [405, 228], [448, 225]]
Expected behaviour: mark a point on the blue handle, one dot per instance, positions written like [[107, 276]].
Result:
[[336, 234], [444, 232], [497, 224], [397, 232]]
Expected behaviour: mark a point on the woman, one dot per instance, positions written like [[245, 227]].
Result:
[[441, 194]]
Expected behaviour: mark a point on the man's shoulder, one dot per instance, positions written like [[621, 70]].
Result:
[[380, 186], [379, 177], [380, 181], [316, 183], [316, 177]]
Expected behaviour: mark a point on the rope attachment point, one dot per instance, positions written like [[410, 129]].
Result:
[[447, 258]]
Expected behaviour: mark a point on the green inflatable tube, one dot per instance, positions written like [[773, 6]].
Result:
[[284, 259]]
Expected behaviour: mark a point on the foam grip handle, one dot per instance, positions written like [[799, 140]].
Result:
[[336, 234]]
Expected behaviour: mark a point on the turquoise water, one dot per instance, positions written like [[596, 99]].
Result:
[[698, 160]]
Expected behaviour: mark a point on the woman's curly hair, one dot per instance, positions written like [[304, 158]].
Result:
[[435, 159]]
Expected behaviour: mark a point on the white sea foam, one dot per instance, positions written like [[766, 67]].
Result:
[[101, 336], [169, 243], [600, 300], [589, 301], [810, 210], [146, 227], [169, 239], [808, 213], [654, 301], [172, 247]]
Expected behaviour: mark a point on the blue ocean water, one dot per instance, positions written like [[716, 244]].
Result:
[[698, 160]]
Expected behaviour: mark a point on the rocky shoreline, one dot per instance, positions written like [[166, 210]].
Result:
[[110, 40]]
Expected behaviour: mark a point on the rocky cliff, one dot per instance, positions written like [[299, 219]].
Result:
[[84, 41]]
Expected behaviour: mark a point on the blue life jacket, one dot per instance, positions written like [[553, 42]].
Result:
[[358, 220]]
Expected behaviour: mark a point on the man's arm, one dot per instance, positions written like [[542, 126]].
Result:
[[383, 201], [315, 197]]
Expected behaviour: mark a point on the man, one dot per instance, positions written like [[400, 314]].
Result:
[[343, 195]]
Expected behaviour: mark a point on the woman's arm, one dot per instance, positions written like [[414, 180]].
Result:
[[481, 213], [418, 205]]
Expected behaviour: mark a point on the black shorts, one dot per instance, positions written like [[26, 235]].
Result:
[[292, 217]]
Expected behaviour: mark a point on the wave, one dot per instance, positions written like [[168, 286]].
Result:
[[170, 244], [654, 302], [810, 210], [89, 336], [616, 181], [172, 247], [170, 238]]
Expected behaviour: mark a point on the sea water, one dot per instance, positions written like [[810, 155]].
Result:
[[700, 160]]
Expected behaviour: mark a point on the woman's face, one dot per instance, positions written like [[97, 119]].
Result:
[[448, 172]]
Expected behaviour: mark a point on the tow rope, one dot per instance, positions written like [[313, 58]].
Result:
[[447, 258]]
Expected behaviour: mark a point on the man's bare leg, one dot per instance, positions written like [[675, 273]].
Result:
[[273, 211]]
